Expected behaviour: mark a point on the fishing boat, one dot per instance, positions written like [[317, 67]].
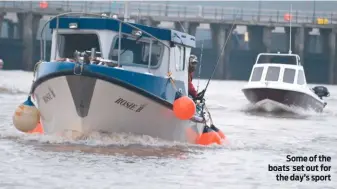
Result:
[[108, 75], [278, 83]]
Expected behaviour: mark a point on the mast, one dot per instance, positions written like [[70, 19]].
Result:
[[290, 19]]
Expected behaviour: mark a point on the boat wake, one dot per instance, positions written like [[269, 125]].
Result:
[[10, 90], [8, 85], [291, 112], [125, 144]]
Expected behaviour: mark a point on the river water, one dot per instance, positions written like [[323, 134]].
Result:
[[255, 140]]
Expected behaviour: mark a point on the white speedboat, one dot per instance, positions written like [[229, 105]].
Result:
[[278, 82], [102, 79]]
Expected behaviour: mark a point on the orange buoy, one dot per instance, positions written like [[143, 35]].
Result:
[[38, 129], [184, 108], [209, 136], [220, 133], [288, 17], [26, 116], [43, 4]]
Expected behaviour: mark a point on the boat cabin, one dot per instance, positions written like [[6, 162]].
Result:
[[277, 67], [129, 46]]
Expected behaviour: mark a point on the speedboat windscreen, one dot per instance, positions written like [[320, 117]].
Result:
[[277, 59]]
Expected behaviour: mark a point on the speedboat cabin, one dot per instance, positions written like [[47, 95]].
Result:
[[277, 67]]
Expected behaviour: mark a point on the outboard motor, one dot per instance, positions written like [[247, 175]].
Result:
[[321, 91]]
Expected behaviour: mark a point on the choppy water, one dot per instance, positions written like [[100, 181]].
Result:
[[125, 161]]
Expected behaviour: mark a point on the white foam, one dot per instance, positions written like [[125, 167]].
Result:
[[15, 82]]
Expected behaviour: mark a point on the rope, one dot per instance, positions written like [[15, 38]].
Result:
[[36, 67], [169, 74], [199, 73], [209, 114]]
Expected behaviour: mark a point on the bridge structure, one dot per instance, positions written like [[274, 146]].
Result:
[[259, 22]]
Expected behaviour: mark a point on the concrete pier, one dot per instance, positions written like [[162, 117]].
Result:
[[181, 26], [190, 17], [329, 41], [148, 22], [219, 36], [11, 29], [28, 24], [301, 40], [2, 15], [259, 38], [188, 27]]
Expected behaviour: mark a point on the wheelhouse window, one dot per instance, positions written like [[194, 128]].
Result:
[[289, 75], [273, 73], [136, 52], [69, 43], [257, 74], [179, 55], [277, 59], [300, 77]]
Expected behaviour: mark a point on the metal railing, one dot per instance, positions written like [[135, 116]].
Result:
[[170, 12]]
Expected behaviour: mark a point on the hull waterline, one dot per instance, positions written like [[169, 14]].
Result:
[[282, 99]]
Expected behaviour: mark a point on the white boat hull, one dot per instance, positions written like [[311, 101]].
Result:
[[273, 99], [66, 105]]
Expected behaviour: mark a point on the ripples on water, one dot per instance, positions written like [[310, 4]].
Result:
[[256, 139]]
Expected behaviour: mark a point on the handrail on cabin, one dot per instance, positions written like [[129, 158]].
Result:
[[279, 54], [43, 43]]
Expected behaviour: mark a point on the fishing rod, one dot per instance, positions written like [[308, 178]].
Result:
[[199, 73], [219, 57]]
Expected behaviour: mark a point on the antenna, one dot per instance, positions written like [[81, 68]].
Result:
[[290, 19], [202, 50]]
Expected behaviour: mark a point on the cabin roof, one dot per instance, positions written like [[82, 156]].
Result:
[[278, 58], [279, 54], [113, 25]]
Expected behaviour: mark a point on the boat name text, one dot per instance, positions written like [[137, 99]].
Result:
[[49, 96], [130, 105]]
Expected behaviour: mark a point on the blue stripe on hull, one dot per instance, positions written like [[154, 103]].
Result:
[[157, 86]]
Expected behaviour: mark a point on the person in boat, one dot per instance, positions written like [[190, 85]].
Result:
[[193, 62]]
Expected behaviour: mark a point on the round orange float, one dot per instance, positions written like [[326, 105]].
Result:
[[220, 133], [209, 136], [38, 129], [184, 108], [26, 116]]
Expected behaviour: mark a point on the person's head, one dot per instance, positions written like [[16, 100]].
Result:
[[193, 61]]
